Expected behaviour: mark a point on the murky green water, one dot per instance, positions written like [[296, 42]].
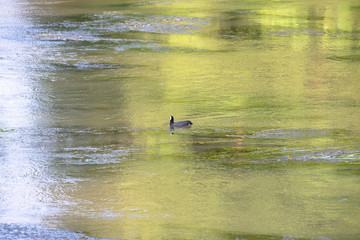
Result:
[[87, 88]]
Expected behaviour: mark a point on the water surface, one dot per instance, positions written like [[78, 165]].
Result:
[[87, 88]]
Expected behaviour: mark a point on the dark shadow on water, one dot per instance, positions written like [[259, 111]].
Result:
[[173, 129]]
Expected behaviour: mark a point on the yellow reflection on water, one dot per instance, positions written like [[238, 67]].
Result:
[[167, 198]]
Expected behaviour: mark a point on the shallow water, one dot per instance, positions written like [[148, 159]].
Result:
[[87, 88]]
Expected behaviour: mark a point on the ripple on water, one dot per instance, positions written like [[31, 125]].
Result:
[[92, 146], [328, 156], [88, 155], [15, 231], [94, 26], [274, 146], [289, 133]]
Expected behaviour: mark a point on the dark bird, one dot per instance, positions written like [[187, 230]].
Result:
[[180, 123]]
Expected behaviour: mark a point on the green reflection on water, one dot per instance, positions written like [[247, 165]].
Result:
[[272, 90]]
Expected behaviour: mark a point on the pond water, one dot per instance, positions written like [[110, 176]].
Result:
[[272, 89]]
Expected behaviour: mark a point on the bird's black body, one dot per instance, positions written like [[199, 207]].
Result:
[[180, 123]]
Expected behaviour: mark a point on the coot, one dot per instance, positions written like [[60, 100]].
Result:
[[180, 123]]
